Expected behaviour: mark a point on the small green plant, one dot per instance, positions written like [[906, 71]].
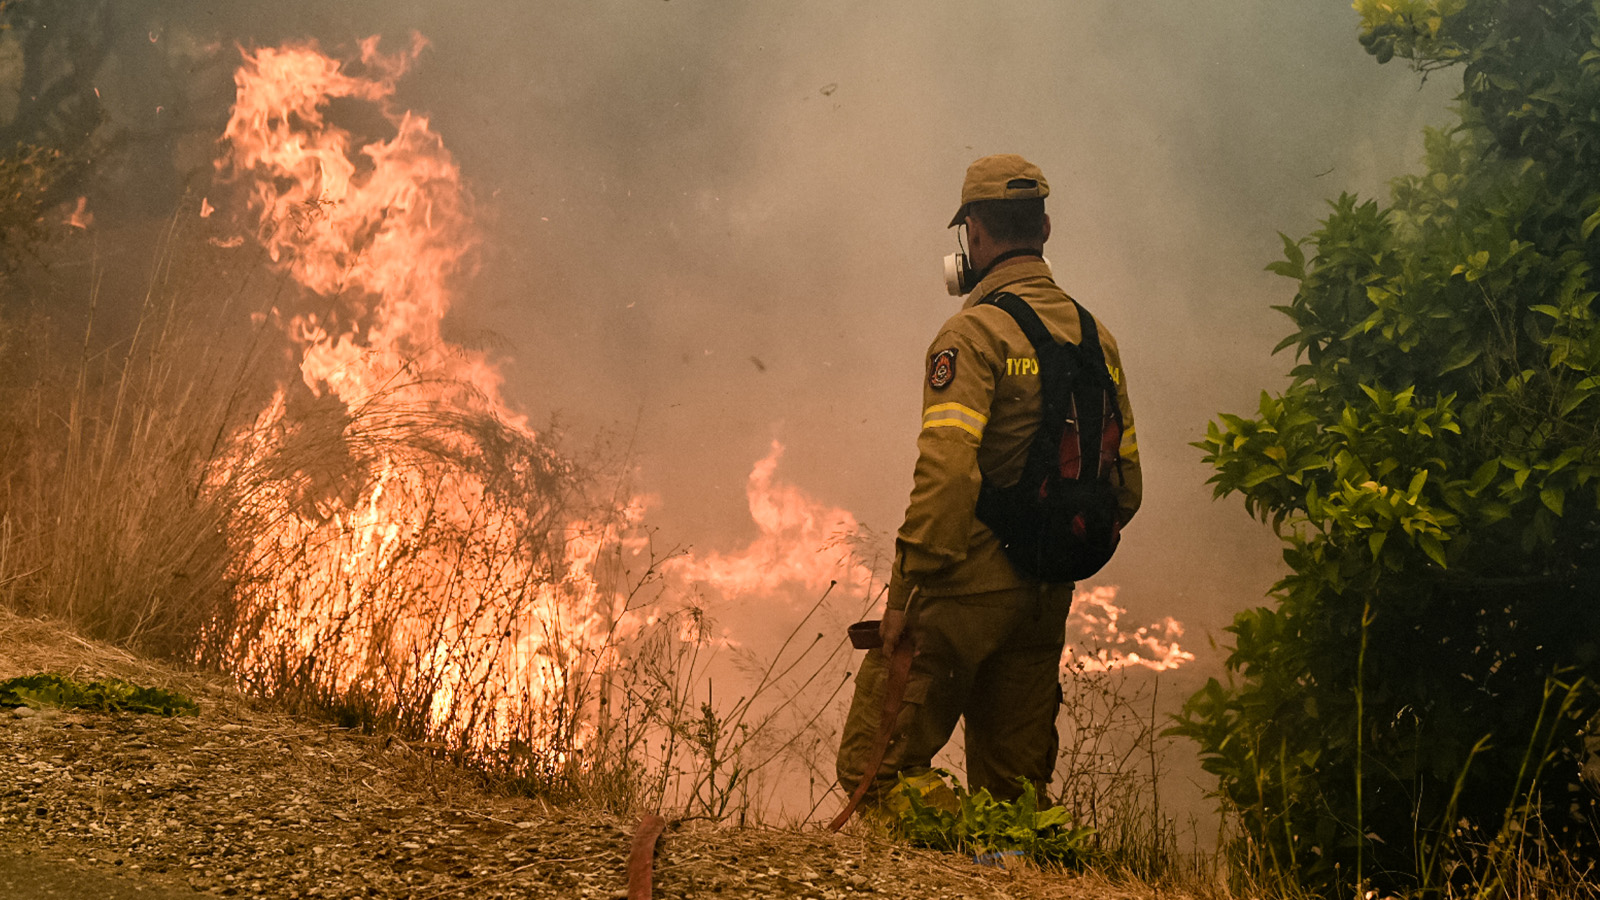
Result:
[[986, 825], [103, 694]]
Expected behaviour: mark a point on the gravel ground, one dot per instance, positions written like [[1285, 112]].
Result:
[[248, 801]]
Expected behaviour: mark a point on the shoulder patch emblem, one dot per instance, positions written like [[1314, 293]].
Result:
[[942, 369]]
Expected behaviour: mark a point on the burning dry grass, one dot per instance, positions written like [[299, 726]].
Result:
[[413, 567]]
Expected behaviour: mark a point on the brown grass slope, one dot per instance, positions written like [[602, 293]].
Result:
[[251, 801]]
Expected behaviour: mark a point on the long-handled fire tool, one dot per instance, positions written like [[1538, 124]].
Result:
[[641, 859], [865, 636]]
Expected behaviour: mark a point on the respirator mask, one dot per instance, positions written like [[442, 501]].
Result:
[[959, 277]]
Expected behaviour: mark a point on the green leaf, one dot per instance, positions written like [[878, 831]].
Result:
[[1431, 546], [1484, 474], [1575, 398], [1460, 357], [1554, 499], [1417, 483], [1589, 225], [1258, 475], [1293, 264]]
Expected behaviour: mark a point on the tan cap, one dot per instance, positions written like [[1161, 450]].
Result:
[[1004, 176]]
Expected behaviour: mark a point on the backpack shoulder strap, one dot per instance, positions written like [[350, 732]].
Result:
[[1091, 334], [1027, 319], [1038, 335]]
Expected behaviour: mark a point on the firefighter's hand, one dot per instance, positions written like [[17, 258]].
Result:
[[891, 628]]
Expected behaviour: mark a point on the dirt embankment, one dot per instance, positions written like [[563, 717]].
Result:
[[246, 801]]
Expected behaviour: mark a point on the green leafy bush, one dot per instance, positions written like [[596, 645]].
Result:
[[104, 695], [1434, 471], [986, 825]]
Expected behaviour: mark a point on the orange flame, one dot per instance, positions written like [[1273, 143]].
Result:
[[804, 544], [80, 217], [1097, 642], [382, 227], [431, 579]]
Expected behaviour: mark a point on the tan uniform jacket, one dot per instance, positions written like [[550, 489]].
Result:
[[979, 412]]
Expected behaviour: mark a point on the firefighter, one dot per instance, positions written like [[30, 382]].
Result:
[[988, 640]]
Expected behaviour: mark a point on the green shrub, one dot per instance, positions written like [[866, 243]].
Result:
[[1433, 470], [983, 824], [103, 695]]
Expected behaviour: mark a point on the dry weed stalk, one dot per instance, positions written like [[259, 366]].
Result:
[[1109, 769]]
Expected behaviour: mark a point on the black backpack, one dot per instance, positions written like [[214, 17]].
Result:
[[1060, 521]]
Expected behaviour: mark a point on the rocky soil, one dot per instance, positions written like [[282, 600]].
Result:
[[249, 801]]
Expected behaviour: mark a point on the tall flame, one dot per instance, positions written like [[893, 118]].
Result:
[[414, 546], [380, 228]]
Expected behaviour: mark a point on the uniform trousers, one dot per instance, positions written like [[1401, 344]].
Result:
[[993, 659]]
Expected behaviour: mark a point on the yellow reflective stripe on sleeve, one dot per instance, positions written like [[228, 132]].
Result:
[[971, 413], [1130, 444], [954, 415], [954, 423]]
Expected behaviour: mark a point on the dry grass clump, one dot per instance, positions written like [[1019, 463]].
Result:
[[105, 442], [1110, 768]]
